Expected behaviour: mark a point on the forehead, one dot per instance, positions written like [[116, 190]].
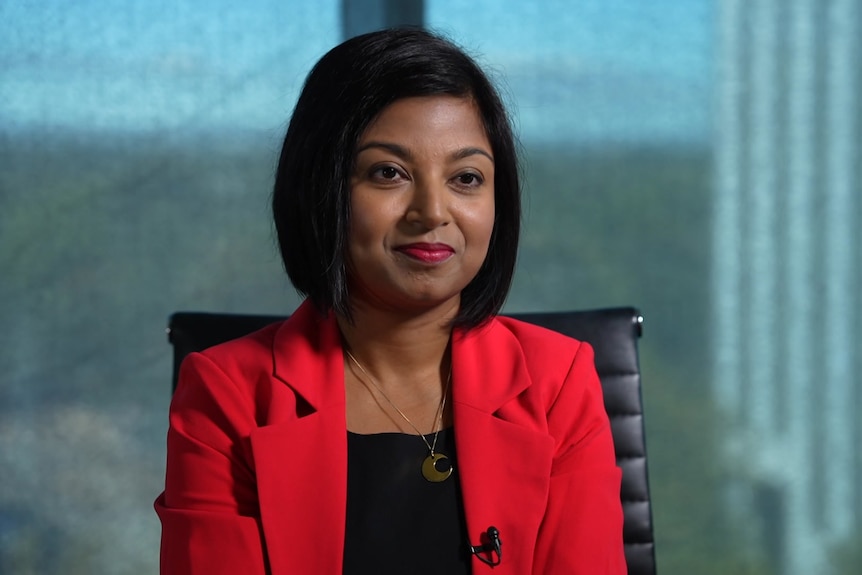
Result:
[[428, 117]]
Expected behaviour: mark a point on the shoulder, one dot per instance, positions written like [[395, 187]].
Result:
[[251, 351], [268, 370], [541, 347], [563, 380], [249, 356], [535, 336], [238, 366], [525, 362], [228, 377]]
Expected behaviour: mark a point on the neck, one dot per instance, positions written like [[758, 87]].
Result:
[[396, 347]]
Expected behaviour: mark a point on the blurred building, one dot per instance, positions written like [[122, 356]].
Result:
[[787, 255]]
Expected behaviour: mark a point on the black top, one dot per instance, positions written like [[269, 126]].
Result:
[[397, 521]]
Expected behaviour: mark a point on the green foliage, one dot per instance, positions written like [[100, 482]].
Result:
[[846, 557]]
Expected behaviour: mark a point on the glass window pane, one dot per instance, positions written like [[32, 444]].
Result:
[[696, 159], [700, 160], [138, 142]]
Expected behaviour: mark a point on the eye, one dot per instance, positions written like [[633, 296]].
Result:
[[386, 174], [469, 180]]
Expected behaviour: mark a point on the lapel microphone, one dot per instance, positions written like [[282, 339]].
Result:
[[491, 545]]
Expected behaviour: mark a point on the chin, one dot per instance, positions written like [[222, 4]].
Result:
[[425, 301]]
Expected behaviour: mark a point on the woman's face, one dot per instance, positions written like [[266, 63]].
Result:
[[422, 204]]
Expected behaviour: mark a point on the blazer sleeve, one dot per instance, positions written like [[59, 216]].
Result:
[[209, 508], [582, 530]]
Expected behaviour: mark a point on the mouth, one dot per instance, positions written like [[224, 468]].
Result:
[[427, 253]]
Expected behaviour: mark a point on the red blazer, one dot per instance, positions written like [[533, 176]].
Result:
[[257, 453]]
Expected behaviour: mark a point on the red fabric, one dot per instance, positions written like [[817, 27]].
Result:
[[256, 476]]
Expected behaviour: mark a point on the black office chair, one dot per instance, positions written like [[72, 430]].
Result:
[[613, 333]]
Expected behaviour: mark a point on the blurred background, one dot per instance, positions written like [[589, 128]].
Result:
[[699, 159]]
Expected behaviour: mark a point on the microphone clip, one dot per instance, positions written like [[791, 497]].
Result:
[[490, 551]]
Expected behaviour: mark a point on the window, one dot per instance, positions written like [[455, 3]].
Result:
[[700, 160]]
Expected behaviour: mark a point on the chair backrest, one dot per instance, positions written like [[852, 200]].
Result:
[[613, 333]]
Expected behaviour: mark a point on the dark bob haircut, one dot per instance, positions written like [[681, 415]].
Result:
[[343, 94]]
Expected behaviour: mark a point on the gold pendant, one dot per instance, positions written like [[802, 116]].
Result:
[[436, 468]]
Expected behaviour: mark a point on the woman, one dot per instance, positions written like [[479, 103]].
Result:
[[394, 424]]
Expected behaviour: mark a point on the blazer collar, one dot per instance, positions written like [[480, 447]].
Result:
[[307, 357], [488, 367]]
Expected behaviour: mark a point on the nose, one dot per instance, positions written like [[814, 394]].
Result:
[[429, 205]]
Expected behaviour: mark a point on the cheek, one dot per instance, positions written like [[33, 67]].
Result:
[[483, 224], [359, 231], [364, 223], [372, 214], [477, 234]]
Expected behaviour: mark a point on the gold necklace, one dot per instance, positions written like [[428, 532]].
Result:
[[436, 467]]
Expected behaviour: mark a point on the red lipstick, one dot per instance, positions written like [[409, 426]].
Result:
[[427, 253]]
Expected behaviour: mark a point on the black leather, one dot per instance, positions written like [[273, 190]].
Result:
[[613, 333]]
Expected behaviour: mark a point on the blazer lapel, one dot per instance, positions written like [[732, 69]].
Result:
[[301, 456], [504, 456]]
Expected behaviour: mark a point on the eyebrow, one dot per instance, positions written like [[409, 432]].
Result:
[[403, 152]]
